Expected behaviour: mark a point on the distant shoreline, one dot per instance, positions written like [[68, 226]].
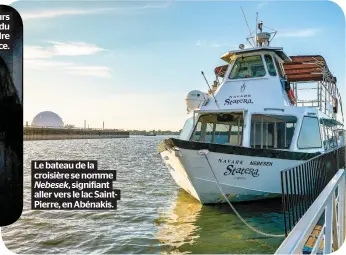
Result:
[[153, 136], [46, 133], [43, 133], [157, 134]]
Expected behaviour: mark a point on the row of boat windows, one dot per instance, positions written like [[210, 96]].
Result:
[[267, 131], [252, 67]]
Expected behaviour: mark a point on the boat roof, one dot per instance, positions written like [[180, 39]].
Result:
[[307, 68], [229, 56], [304, 68]]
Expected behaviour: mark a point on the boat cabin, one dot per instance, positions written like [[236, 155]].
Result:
[[252, 63], [263, 102]]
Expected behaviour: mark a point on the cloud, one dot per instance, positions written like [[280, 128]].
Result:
[[74, 48], [38, 52], [41, 64], [307, 32], [43, 58], [67, 67], [61, 49], [62, 12], [53, 13]]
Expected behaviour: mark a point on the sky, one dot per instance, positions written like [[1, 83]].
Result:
[[131, 64]]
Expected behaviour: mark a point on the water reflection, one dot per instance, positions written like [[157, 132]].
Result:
[[178, 226], [189, 227]]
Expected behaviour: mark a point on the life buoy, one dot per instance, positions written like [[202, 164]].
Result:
[[291, 96]]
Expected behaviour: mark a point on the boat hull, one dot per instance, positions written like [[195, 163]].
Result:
[[241, 177]]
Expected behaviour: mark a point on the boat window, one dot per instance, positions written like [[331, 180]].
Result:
[[248, 67], [270, 65], [197, 134], [335, 138], [278, 67], [208, 137], [330, 136], [310, 136], [235, 135], [186, 131], [219, 129], [341, 135], [272, 131], [221, 133]]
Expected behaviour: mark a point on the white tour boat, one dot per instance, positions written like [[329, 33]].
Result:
[[269, 112]]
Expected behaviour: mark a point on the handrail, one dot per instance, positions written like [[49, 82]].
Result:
[[302, 184], [295, 241], [298, 164]]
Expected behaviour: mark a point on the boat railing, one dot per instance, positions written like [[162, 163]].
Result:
[[320, 94], [302, 184], [313, 84], [321, 230]]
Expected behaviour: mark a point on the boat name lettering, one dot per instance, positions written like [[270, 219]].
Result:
[[231, 161], [238, 101], [259, 163], [231, 170]]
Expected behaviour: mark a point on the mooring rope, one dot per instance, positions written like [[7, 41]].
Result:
[[235, 211]]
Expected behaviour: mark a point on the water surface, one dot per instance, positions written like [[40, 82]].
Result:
[[153, 216]]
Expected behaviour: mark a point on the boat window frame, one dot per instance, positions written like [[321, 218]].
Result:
[[241, 140], [272, 115], [329, 142], [187, 129], [273, 62], [253, 77], [319, 130], [279, 68], [342, 133]]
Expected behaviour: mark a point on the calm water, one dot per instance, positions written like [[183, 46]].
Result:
[[153, 215]]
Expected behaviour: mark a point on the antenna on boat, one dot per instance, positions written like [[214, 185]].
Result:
[[248, 28], [275, 32], [210, 89], [263, 38], [260, 38]]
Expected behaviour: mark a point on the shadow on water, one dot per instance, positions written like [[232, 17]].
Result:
[[190, 227]]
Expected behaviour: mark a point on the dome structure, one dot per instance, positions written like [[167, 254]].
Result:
[[47, 119]]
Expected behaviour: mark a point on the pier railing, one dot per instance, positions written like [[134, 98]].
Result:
[[321, 230], [302, 184]]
